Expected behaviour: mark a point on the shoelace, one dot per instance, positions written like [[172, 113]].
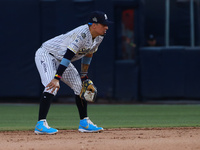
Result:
[[46, 125], [90, 122]]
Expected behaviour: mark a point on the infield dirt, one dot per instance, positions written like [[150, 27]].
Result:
[[110, 139]]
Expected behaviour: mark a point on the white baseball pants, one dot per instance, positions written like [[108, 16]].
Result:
[[47, 66]]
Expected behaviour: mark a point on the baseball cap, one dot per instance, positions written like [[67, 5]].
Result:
[[99, 17]]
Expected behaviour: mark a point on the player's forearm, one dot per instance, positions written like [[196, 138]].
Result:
[[84, 69], [64, 63], [85, 63]]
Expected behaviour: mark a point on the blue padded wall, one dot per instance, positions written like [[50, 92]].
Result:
[[169, 73]]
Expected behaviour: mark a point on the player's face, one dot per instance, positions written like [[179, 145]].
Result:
[[101, 29]]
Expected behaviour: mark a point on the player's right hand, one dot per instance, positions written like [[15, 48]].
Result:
[[53, 85]]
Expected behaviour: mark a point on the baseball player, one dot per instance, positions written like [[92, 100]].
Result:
[[54, 63]]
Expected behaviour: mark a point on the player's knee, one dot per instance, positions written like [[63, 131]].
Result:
[[77, 89], [49, 91]]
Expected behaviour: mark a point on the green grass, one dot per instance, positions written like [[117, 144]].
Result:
[[24, 117]]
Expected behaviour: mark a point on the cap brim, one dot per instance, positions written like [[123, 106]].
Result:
[[107, 22]]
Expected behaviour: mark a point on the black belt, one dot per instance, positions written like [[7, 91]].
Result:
[[51, 54]]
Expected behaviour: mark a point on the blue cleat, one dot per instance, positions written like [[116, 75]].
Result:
[[86, 125], [43, 128]]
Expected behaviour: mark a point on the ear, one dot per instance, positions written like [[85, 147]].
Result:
[[94, 25]]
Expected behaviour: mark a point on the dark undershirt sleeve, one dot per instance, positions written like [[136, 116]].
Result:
[[64, 63]]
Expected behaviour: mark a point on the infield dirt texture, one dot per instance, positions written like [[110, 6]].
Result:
[[127, 127], [111, 139]]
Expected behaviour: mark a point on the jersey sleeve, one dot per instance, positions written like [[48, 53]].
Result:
[[76, 44]]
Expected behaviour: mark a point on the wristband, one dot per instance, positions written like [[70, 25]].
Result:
[[57, 77], [84, 74], [83, 78]]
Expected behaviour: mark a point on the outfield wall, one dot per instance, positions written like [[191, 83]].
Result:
[[170, 73], [154, 73]]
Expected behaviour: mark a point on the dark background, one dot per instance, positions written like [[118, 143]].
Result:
[[159, 73]]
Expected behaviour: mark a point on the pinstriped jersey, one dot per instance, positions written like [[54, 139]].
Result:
[[78, 40]]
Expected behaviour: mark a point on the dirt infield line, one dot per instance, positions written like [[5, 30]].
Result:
[[111, 139]]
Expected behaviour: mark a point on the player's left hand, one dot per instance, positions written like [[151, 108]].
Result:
[[54, 85], [89, 91]]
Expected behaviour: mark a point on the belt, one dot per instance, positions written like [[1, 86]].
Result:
[[51, 54]]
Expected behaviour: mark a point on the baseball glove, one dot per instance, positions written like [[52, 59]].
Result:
[[89, 91]]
